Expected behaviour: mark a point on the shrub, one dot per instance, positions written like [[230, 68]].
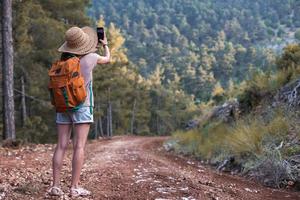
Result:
[[218, 93], [290, 57], [35, 130], [249, 136], [187, 141], [255, 89], [271, 169], [297, 34], [205, 143], [246, 138], [213, 142]]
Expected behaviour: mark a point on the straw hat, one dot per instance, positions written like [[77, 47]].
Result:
[[80, 41]]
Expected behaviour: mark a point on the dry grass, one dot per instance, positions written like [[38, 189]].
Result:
[[205, 143], [245, 137]]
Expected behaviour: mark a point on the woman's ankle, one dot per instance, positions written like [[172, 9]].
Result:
[[55, 185], [74, 186]]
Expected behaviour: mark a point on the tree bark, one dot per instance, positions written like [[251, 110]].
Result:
[[110, 120], [23, 101], [96, 129], [1, 75], [8, 84], [100, 126], [99, 120], [109, 115], [157, 117], [133, 116], [107, 123]]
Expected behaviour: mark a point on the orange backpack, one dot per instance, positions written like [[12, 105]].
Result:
[[66, 85]]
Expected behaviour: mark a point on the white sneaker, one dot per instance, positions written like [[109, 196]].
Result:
[[55, 191], [76, 192]]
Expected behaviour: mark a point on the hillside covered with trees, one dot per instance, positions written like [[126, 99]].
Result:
[[202, 44]]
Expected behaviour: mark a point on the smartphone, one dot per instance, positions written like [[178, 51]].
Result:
[[100, 33]]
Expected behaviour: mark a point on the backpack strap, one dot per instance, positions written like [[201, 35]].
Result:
[[91, 97]]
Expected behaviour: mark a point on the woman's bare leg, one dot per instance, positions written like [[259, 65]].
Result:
[[80, 136], [64, 132]]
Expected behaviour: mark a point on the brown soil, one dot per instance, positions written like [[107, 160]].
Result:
[[126, 167]]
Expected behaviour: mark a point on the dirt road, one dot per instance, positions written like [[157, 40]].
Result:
[[126, 168]]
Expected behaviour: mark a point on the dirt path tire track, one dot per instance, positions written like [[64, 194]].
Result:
[[130, 168]]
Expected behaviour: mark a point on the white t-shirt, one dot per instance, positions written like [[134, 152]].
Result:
[[87, 64]]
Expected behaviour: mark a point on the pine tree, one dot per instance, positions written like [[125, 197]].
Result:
[[8, 70], [39, 28], [218, 93], [120, 89]]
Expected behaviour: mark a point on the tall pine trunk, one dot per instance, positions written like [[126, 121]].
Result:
[[132, 116], [100, 126], [157, 116], [110, 120], [107, 123], [109, 115], [99, 120], [8, 84], [23, 101], [96, 129], [98, 123]]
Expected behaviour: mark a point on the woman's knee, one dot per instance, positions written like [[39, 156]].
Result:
[[78, 147], [63, 146], [81, 133]]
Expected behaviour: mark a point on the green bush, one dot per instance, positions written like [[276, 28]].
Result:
[[246, 138], [205, 143], [272, 169], [250, 136], [35, 130], [297, 34], [290, 57]]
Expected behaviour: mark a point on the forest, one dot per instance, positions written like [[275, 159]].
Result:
[[202, 44], [171, 60], [219, 78]]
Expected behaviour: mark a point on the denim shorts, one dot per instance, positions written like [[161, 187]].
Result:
[[82, 115]]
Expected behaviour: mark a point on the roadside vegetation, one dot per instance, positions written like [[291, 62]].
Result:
[[262, 138]]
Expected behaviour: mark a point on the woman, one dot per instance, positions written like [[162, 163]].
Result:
[[81, 42]]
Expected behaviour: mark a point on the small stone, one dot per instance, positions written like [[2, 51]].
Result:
[[291, 183]]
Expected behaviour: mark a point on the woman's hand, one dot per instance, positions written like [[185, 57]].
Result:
[[104, 41], [106, 58]]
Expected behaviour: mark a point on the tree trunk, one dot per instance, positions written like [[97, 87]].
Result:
[[100, 126], [110, 120], [157, 117], [1, 75], [96, 129], [107, 123], [8, 84], [23, 102], [98, 121], [107, 115], [133, 116]]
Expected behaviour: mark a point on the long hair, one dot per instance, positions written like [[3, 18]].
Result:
[[66, 56]]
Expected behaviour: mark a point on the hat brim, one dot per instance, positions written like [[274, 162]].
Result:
[[89, 47]]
